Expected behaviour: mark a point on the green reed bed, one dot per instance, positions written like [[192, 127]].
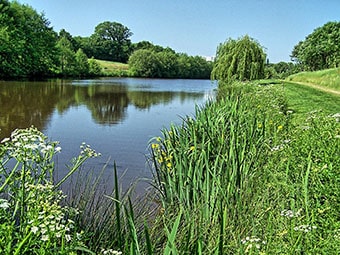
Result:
[[240, 179]]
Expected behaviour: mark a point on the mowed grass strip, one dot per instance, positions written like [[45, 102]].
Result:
[[303, 99]]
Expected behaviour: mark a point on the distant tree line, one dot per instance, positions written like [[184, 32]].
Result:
[[29, 47], [154, 61]]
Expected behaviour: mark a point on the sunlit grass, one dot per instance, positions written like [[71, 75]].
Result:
[[303, 99], [329, 78], [110, 68]]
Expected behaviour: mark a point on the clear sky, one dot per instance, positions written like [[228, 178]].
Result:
[[197, 27]]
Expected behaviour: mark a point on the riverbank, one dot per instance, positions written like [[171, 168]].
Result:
[[242, 176]]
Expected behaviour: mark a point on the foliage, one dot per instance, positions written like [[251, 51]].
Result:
[[27, 42], [241, 59], [94, 67], [33, 220], [168, 64], [280, 70], [67, 61], [82, 64], [144, 63], [111, 41], [320, 49]]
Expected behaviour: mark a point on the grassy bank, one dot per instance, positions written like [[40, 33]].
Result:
[[304, 99], [246, 175], [114, 69], [329, 78]]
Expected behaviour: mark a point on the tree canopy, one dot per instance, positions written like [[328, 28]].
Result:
[[110, 41], [320, 49], [27, 42], [166, 63], [241, 59]]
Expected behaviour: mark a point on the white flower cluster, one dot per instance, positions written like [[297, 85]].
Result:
[[29, 144], [252, 242], [47, 218], [280, 146], [305, 228], [290, 213], [4, 204], [337, 234], [86, 150], [336, 116], [110, 252]]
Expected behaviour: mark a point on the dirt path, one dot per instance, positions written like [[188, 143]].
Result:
[[322, 88]]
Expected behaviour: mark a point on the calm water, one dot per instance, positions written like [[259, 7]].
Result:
[[117, 117]]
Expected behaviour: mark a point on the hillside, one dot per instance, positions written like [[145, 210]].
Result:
[[110, 68], [328, 79]]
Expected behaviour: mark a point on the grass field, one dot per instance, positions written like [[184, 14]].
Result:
[[110, 68]]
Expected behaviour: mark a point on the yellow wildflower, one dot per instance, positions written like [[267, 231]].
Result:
[[154, 145], [279, 127]]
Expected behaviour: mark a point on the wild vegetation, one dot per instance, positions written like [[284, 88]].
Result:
[[254, 172], [244, 176]]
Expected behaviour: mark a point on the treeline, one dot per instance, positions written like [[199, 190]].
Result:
[[154, 61], [29, 47]]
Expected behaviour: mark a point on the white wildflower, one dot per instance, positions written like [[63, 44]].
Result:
[[305, 228], [44, 238], [4, 203], [5, 140], [68, 238], [34, 229], [290, 213], [251, 242]]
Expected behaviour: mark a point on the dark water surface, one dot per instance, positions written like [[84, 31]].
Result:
[[116, 116]]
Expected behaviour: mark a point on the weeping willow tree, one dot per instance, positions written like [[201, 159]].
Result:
[[241, 59]]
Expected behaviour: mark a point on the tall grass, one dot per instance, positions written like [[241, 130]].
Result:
[[236, 178]]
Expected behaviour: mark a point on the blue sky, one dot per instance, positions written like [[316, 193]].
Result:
[[197, 27]]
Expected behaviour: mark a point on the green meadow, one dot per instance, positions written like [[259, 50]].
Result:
[[254, 172]]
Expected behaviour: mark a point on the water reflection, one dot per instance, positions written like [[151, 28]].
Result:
[[23, 104]]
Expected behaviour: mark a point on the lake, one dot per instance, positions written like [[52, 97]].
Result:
[[118, 117]]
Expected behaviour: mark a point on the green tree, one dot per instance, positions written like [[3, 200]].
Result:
[[144, 63], [82, 64], [111, 41], [67, 58], [320, 49], [167, 64], [27, 41], [94, 67], [241, 59]]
